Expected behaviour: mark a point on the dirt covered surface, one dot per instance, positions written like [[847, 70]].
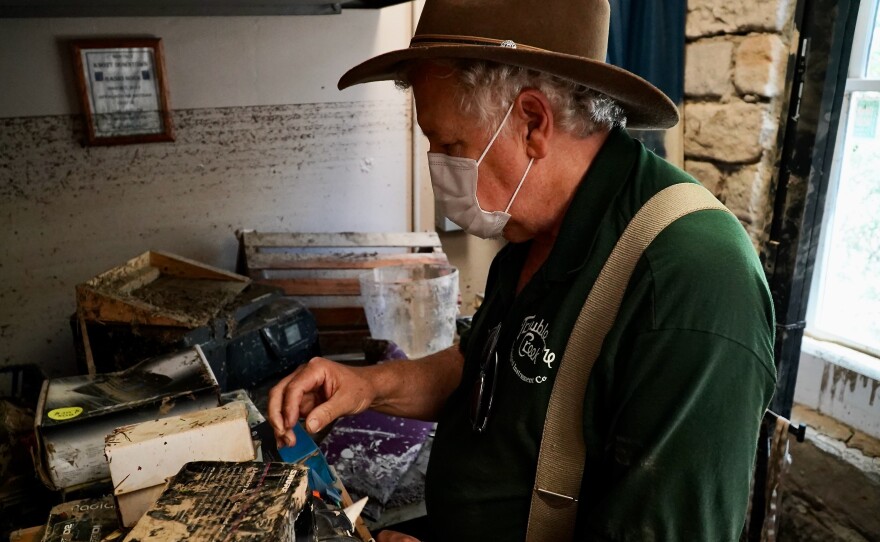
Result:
[[159, 292], [230, 502], [197, 298]]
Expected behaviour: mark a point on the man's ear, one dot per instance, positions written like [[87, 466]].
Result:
[[537, 116]]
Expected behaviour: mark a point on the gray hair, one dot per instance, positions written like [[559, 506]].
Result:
[[486, 90]]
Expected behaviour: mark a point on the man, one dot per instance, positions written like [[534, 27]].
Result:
[[525, 124]]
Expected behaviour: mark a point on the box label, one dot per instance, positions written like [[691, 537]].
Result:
[[65, 413]]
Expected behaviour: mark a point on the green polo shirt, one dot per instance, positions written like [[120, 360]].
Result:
[[674, 402]]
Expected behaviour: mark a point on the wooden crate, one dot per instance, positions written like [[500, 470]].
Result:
[[159, 289], [321, 270]]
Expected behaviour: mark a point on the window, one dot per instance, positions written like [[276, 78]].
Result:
[[845, 301]]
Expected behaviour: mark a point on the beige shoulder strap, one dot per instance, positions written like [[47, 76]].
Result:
[[561, 459]]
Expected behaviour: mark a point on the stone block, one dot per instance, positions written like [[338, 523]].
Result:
[[820, 423], [760, 65], [737, 194], [713, 17], [706, 173], [708, 68], [867, 444], [730, 133], [747, 194]]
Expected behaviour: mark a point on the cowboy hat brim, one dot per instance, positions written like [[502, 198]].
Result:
[[646, 107]]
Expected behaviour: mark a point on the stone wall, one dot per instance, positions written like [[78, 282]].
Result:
[[737, 55], [736, 58]]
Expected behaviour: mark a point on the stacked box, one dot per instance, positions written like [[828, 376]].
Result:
[[76, 413], [232, 502], [143, 455]]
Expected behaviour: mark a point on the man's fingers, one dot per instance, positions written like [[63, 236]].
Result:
[[321, 391], [325, 413], [292, 399], [284, 403], [306, 379], [308, 403], [276, 398]]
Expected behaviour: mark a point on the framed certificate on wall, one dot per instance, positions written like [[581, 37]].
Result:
[[123, 90]]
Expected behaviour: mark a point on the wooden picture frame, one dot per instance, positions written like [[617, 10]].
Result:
[[123, 90]]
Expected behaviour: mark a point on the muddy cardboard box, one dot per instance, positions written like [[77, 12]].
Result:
[[161, 289], [87, 520], [254, 417], [144, 455], [263, 439], [75, 414], [234, 502]]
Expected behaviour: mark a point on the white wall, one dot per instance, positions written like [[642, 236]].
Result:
[[264, 141], [840, 383], [211, 61]]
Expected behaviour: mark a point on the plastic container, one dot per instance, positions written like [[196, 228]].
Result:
[[413, 305]]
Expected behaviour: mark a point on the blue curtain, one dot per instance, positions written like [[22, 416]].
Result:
[[647, 38]]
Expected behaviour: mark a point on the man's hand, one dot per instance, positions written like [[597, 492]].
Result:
[[321, 391], [394, 536]]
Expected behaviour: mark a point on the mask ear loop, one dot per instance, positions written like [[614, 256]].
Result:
[[497, 133], [521, 181]]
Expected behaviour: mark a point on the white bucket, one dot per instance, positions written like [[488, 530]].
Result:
[[413, 305]]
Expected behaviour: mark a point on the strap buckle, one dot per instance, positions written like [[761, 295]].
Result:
[[556, 500]]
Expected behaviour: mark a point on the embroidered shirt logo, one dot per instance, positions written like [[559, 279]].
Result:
[[530, 358]]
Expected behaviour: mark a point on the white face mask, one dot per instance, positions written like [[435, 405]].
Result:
[[455, 190]]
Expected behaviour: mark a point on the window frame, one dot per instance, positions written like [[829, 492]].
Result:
[[857, 81]]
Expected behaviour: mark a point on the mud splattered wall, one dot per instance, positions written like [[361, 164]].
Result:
[[264, 141]]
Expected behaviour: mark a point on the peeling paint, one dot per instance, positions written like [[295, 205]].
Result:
[[875, 385], [840, 384]]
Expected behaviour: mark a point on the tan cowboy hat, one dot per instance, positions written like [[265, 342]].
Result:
[[565, 38]]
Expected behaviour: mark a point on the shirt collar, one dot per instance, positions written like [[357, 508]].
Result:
[[510, 261], [593, 201]]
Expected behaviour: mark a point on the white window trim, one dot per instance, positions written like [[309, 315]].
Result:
[[830, 350], [858, 64], [860, 85]]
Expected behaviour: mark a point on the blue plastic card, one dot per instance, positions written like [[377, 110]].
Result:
[[306, 452]]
